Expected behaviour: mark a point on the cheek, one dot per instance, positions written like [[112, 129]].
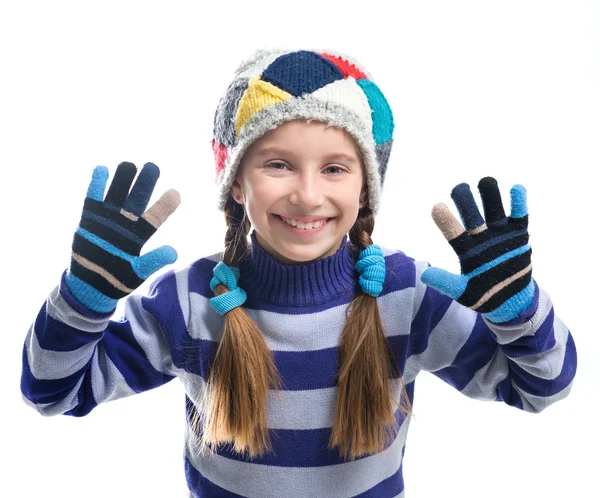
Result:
[[350, 196], [263, 194], [259, 200]]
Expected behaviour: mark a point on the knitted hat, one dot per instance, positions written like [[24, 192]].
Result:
[[275, 86]]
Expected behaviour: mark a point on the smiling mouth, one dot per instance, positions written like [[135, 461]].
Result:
[[301, 225]]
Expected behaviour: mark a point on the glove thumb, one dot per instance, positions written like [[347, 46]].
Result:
[[447, 283], [153, 261]]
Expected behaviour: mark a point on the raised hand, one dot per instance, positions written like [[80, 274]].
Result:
[[494, 255], [105, 263]]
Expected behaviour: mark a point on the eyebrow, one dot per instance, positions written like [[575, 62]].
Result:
[[329, 157]]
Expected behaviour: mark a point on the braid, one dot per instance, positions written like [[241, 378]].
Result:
[[243, 369], [236, 237], [360, 233], [364, 420]]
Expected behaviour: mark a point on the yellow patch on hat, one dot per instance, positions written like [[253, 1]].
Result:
[[257, 96]]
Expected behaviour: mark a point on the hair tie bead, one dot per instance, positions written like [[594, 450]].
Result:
[[371, 266], [229, 277]]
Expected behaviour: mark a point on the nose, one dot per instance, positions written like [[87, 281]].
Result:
[[307, 191]]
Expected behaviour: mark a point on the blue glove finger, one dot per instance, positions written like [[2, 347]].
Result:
[[518, 201], [140, 194], [98, 183], [153, 261], [447, 283], [119, 187], [467, 208]]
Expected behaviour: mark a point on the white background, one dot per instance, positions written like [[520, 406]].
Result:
[[508, 89]]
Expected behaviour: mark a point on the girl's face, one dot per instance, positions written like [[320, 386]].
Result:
[[301, 186]]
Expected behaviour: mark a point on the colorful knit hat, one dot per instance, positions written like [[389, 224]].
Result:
[[275, 86]]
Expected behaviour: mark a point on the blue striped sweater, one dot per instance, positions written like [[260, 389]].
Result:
[[75, 359]]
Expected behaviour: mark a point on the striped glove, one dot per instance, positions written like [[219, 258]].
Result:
[[105, 263], [494, 255]]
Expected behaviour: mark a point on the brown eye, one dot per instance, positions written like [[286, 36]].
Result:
[[334, 170], [276, 166]]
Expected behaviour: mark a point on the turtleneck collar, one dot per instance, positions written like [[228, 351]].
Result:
[[267, 279]]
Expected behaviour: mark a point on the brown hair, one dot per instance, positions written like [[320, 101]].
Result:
[[364, 416], [243, 369]]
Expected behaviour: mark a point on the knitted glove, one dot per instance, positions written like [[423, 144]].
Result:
[[105, 263], [495, 257]]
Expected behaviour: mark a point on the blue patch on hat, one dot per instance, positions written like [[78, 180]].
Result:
[[383, 119], [301, 72]]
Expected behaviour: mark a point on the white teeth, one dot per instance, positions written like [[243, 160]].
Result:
[[304, 226]]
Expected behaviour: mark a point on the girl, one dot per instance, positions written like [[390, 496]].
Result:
[[298, 349]]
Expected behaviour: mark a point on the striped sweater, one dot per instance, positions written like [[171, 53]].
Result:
[[75, 359]]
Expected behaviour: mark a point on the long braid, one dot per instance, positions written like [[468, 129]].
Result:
[[243, 369], [236, 236], [364, 419]]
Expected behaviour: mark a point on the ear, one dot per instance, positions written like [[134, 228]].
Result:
[[363, 199], [236, 192]]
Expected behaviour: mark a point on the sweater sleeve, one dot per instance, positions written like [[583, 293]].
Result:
[[75, 359], [528, 363]]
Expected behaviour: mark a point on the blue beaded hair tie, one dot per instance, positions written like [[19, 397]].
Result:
[[229, 277], [371, 266]]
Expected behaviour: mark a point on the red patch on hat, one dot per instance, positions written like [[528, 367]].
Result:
[[221, 155], [347, 68]]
